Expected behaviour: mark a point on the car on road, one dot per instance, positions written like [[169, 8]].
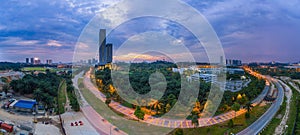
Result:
[[116, 129]]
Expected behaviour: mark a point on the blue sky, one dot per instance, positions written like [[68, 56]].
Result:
[[251, 30]]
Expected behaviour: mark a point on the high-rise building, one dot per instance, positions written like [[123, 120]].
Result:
[[32, 60], [102, 46], [94, 61], [109, 53], [105, 50], [49, 62], [221, 60], [36, 61], [230, 62], [27, 60]]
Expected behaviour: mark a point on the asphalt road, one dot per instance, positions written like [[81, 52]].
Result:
[[258, 125], [102, 126]]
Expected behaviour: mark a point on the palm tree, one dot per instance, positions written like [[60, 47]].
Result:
[[157, 106], [168, 107], [248, 106]]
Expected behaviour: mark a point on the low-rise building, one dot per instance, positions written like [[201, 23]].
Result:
[[25, 105], [204, 77]]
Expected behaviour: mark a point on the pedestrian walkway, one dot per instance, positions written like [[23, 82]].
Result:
[[281, 127]]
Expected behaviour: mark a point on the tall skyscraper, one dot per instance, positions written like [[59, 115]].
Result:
[[102, 46], [105, 50], [109, 53], [27, 60], [230, 62], [36, 61], [32, 60], [49, 62]]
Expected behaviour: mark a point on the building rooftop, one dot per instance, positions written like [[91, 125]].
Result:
[[27, 104]]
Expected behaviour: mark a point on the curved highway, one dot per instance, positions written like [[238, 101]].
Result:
[[258, 125]]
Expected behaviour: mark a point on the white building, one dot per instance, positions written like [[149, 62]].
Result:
[[205, 77]]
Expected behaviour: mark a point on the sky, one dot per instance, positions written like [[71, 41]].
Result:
[[250, 30]]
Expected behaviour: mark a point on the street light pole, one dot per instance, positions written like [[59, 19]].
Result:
[[110, 130]]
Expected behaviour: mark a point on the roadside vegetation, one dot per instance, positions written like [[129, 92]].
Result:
[[71, 93], [296, 127], [62, 97], [294, 116]]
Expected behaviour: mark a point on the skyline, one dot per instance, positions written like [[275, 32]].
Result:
[[252, 31]]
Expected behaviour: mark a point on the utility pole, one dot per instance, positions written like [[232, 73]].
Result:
[[110, 130]]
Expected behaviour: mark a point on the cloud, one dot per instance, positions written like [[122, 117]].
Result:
[[87, 8], [242, 25], [18, 41], [54, 43], [81, 45], [137, 57]]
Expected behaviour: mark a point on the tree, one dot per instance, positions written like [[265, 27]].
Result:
[[157, 106], [171, 99], [236, 107], [247, 115], [230, 123], [139, 113], [108, 99], [239, 97], [38, 95], [168, 107], [249, 106], [196, 109], [195, 121]]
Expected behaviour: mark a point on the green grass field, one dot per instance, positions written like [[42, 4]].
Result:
[[41, 69], [33, 69]]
